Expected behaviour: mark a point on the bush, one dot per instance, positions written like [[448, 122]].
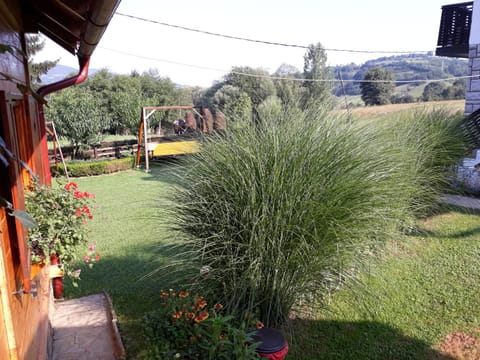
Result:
[[94, 167], [274, 209], [185, 327], [61, 213]]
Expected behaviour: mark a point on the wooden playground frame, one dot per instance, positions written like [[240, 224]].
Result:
[[147, 112]]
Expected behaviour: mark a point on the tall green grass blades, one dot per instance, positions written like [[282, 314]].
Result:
[[275, 208], [427, 145]]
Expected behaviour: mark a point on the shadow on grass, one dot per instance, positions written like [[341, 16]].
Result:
[[445, 209], [133, 293], [163, 170], [355, 340]]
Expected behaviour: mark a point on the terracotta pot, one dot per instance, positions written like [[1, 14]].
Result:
[[58, 281]]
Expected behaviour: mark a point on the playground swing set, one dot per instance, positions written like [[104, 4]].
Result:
[[180, 143]]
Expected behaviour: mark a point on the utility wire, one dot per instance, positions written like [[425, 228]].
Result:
[[288, 78], [264, 41]]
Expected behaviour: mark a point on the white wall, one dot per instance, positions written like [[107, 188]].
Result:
[[475, 29]]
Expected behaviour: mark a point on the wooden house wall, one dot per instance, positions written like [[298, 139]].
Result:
[[24, 325]]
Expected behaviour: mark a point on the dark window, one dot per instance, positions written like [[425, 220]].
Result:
[[454, 32]]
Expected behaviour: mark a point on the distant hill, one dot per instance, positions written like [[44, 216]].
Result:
[[60, 72], [404, 67]]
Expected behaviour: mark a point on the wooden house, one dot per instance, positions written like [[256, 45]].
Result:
[[77, 26]]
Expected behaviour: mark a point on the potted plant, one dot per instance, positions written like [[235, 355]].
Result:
[[62, 213]]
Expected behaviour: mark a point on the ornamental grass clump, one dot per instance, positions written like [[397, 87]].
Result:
[[276, 207], [425, 146]]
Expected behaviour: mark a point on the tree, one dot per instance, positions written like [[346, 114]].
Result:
[[77, 117], [315, 68], [35, 44], [288, 91], [377, 93], [455, 91], [234, 103], [433, 91], [257, 84]]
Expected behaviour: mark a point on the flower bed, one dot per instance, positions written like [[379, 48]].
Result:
[[190, 327]]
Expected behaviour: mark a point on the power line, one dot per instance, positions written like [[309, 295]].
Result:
[[265, 42], [288, 78]]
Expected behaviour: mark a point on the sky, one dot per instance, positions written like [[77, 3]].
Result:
[[371, 25]]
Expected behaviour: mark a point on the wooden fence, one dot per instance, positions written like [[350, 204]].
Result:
[[109, 149]]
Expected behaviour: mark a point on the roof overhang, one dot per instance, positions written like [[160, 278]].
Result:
[[75, 25]]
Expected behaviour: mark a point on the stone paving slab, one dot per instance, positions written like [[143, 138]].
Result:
[[85, 328], [459, 200]]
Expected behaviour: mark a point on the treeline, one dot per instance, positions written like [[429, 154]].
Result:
[[108, 103], [403, 67]]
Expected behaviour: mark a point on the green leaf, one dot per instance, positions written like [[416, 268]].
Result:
[[25, 218]]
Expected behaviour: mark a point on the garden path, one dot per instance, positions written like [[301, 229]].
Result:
[[85, 329], [463, 201]]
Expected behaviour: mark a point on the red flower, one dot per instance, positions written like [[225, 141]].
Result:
[[177, 315], [190, 315], [202, 304], [71, 185], [86, 258], [260, 325], [77, 194], [97, 257], [78, 212], [202, 316], [164, 295], [182, 294], [218, 306]]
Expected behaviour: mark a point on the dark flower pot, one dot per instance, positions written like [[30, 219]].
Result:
[[272, 344]]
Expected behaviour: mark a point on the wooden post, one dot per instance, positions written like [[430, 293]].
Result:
[[139, 142]]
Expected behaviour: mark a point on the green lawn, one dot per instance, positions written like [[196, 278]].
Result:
[[406, 300], [127, 231]]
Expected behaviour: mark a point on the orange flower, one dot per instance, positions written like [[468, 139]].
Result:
[[177, 315], [260, 325], [202, 304], [202, 316], [221, 336], [218, 306], [182, 294], [164, 295], [190, 315]]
